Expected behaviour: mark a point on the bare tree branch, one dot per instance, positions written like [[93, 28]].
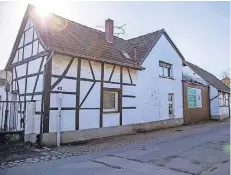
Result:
[[225, 74]]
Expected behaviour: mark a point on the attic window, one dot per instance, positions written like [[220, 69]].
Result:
[[125, 54]]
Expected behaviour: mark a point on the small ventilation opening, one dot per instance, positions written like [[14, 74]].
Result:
[[125, 54]]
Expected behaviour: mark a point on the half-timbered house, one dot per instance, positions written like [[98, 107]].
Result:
[[109, 85]]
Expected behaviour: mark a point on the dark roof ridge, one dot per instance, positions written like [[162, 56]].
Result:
[[211, 79], [161, 30]]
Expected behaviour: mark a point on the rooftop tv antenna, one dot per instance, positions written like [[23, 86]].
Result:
[[119, 29]]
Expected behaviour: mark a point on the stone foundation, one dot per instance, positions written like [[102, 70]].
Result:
[[84, 135], [30, 138]]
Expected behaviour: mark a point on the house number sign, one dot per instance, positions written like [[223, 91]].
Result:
[[59, 88]]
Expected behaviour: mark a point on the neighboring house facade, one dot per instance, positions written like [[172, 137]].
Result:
[[219, 93], [5, 78], [109, 85], [2, 90], [2, 98]]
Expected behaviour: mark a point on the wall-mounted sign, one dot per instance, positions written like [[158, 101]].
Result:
[[194, 98]]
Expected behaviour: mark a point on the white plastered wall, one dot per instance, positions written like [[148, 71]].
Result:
[[152, 91], [214, 101]]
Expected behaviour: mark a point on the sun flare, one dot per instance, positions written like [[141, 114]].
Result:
[[45, 7], [42, 11]]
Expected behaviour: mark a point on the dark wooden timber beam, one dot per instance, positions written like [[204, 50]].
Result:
[[120, 96], [46, 95], [101, 96], [77, 95]]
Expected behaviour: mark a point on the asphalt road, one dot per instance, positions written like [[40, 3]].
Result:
[[202, 152]]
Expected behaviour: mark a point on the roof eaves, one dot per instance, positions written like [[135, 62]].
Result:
[[223, 90]]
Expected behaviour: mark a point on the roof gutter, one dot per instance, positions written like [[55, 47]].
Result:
[[224, 91]]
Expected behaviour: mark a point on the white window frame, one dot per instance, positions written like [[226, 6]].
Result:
[[163, 68], [116, 109], [222, 99], [172, 95]]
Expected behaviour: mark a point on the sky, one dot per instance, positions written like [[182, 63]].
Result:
[[200, 30]]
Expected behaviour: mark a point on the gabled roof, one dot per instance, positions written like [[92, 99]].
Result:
[[208, 77], [68, 37], [146, 43]]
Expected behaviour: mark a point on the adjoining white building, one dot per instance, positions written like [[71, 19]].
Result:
[[5, 80], [109, 85], [219, 93]]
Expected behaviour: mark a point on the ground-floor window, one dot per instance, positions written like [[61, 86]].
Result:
[[223, 99], [170, 104], [226, 99], [110, 100]]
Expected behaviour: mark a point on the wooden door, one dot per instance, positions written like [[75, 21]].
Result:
[[200, 110]]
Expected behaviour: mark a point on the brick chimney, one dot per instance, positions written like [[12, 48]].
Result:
[[109, 30]]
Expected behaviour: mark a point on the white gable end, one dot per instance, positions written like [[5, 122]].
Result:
[[153, 90], [29, 44]]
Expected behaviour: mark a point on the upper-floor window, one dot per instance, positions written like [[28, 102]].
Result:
[[165, 69]]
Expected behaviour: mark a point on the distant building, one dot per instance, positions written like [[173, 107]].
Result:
[[226, 80]]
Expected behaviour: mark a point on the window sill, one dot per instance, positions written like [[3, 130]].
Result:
[[110, 112], [166, 77], [223, 106]]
